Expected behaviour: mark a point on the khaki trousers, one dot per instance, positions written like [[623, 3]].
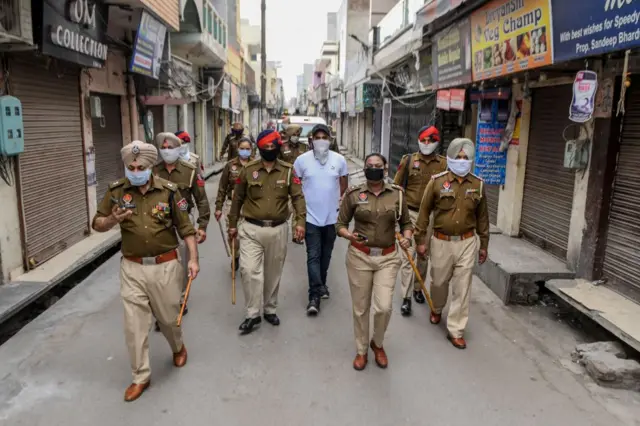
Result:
[[149, 291], [452, 266], [263, 251], [407, 276], [371, 277]]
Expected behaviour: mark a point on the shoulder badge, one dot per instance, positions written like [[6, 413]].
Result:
[[187, 164], [439, 175], [169, 185], [117, 183], [183, 205]]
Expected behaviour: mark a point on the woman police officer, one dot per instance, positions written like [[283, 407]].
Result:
[[372, 258]]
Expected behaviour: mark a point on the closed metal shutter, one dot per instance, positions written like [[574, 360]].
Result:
[[52, 178], [406, 121], [621, 264], [191, 125], [210, 130], [450, 129], [548, 185], [158, 121], [107, 142], [173, 124], [492, 192]]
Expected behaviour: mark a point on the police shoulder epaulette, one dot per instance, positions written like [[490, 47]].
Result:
[[398, 187], [194, 155], [252, 163], [117, 183], [441, 157], [476, 176], [187, 164], [284, 163], [439, 174], [169, 185], [354, 188]]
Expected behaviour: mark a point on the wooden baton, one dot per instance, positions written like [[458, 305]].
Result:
[[184, 303], [415, 271]]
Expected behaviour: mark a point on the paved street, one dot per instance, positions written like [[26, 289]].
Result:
[[70, 366]]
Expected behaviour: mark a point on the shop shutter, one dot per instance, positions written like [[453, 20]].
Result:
[[450, 129], [191, 126], [210, 130], [621, 264], [548, 185], [173, 115], [107, 142], [52, 178], [492, 192], [158, 122]]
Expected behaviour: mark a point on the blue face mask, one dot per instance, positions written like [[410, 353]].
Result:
[[138, 178], [244, 153]]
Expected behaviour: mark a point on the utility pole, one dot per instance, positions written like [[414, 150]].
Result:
[[263, 57]]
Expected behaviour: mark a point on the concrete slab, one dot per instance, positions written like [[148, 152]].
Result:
[[515, 266], [614, 312]]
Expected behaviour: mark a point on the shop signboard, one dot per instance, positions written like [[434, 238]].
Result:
[[226, 94], [452, 55], [456, 99], [585, 28], [443, 100], [148, 47], [72, 30], [491, 162], [509, 36]]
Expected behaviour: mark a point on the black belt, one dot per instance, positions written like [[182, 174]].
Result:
[[414, 209], [265, 223]]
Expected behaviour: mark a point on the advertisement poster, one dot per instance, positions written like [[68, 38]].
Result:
[[509, 36], [443, 100], [90, 161], [515, 138], [148, 47], [585, 87], [491, 163], [451, 51], [585, 28], [456, 99]]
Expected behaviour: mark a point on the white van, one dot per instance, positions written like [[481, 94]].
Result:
[[305, 122]]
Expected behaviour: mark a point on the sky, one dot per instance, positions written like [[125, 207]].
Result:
[[295, 32]]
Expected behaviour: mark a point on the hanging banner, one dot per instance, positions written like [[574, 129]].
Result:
[[491, 163], [456, 99], [452, 55], [509, 36], [443, 100], [586, 28], [585, 87]]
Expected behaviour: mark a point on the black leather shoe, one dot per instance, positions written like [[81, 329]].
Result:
[[313, 308], [419, 297], [272, 319], [157, 327], [405, 309], [237, 263], [248, 325]]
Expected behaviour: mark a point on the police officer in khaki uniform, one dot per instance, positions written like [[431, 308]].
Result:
[[228, 178], [149, 210], [414, 173], [231, 141], [372, 258], [185, 153], [457, 200], [263, 192], [291, 146], [190, 185]]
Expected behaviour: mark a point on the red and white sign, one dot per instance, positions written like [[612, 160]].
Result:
[[443, 100], [456, 99]]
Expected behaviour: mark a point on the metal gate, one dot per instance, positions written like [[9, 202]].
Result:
[[548, 185], [209, 148], [406, 121], [492, 192], [621, 264], [107, 142], [52, 178], [173, 119]]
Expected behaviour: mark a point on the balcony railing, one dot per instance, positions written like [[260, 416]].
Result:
[[10, 18], [401, 16], [214, 24]]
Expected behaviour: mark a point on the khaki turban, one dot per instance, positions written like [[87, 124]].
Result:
[[145, 153], [292, 130], [174, 141], [461, 144]]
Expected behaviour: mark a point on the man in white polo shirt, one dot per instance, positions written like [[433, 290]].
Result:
[[324, 177]]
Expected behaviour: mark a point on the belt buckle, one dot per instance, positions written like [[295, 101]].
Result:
[[455, 238], [375, 251], [268, 223], [149, 261]]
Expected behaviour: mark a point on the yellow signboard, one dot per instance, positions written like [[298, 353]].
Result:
[[509, 36]]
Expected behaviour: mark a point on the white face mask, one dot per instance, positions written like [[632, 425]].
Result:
[[184, 152], [321, 150], [459, 167], [170, 155], [428, 148]]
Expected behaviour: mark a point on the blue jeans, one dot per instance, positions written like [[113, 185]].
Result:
[[319, 241]]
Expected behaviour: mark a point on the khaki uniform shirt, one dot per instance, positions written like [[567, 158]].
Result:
[[292, 152], [265, 195], [191, 187], [157, 214], [414, 173], [459, 207], [230, 175], [375, 216], [231, 143]]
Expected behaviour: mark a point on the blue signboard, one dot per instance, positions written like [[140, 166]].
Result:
[[593, 27], [148, 47], [491, 163]]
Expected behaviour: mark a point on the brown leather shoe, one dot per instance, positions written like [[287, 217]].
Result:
[[380, 356], [458, 342], [135, 390], [435, 318], [360, 362], [180, 359]]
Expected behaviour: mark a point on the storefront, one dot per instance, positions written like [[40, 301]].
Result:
[[107, 142], [191, 125], [210, 129]]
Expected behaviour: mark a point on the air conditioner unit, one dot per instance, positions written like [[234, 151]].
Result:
[[15, 25]]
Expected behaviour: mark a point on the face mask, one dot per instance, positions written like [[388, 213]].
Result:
[[374, 175], [184, 153], [428, 148], [244, 153], [321, 150], [294, 139], [170, 155], [269, 154], [138, 178], [459, 167]]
